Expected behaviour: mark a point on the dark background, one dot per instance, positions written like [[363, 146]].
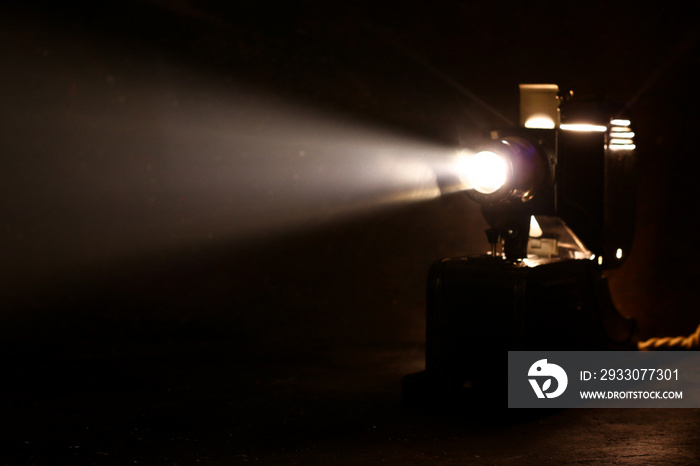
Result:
[[134, 330]]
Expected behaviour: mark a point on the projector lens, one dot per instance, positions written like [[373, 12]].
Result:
[[486, 172], [508, 170]]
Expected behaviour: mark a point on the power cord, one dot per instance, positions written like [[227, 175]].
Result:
[[691, 342]]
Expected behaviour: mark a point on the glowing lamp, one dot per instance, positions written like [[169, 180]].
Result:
[[510, 169], [486, 171]]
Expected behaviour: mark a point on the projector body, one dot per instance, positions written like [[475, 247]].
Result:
[[479, 308], [587, 183], [554, 232]]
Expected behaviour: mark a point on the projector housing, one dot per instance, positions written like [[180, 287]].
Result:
[[583, 179], [545, 292]]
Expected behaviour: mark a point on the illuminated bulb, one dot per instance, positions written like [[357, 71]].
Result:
[[486, 172], [600, 260], [535, 230], [618, 253]]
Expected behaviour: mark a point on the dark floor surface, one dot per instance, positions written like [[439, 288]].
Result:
[[205, 405]]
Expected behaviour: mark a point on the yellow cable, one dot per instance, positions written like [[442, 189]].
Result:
[[691, 342]]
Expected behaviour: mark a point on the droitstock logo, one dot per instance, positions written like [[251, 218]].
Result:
[[545, 372]]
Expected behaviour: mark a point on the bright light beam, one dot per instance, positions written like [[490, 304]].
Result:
[[145, 157]]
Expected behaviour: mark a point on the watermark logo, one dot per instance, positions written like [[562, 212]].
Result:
[[542, 370]]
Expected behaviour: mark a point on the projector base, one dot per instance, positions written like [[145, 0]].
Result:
[[479, 308]]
